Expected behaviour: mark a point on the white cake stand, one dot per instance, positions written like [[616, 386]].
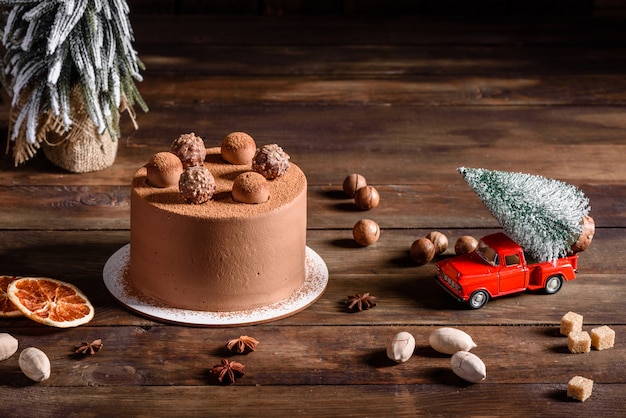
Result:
[[123, 290]]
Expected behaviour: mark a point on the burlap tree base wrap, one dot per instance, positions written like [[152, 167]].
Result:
[[89, 153], [80, 149]]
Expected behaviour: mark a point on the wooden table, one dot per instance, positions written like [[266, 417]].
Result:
[[403, 101]]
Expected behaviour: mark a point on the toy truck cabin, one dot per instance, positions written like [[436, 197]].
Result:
[[498, 267]]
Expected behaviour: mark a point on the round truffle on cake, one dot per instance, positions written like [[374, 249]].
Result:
[[164, 169], [238, 148], [250, 187], [190, 149], [197, 184], [270, 161]]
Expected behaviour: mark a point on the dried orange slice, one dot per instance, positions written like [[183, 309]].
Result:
[[7, 308], [50, 302]]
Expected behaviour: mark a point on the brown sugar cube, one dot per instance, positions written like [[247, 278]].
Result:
[[579, 388], [579, 342], [571, 322], [602, 338]]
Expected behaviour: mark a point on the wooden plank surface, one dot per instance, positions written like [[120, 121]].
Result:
[[403, 100]]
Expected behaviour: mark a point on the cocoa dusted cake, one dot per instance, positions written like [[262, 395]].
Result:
[[218, 229]]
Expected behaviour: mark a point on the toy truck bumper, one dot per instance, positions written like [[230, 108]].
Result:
[[450, 291]]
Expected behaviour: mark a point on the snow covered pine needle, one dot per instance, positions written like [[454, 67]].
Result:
[[542, 215]]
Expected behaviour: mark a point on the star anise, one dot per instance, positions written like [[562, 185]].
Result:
[[228, 370], [89, 348], [243, 344], [361, 302]]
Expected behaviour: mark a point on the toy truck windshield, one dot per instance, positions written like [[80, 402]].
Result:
[[487, 253]]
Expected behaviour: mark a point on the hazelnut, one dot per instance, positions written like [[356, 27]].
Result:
[[366, 198], [190, 149], [250, 187], [366, 232], [270, 161], [352, 183], [465, 244], [164, 169], [238, 148], [197, 184], [586, 235], [422, 251], [440, 241]]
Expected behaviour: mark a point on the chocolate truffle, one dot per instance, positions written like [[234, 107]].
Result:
[[190, 149], [352, 183], [250, 187], [164, 169], [270, 161], [197, 184], [238, 148]]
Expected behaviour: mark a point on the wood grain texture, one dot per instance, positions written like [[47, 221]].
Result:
[[403, 100]]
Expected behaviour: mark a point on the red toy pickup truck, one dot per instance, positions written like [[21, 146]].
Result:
[[498, 267]]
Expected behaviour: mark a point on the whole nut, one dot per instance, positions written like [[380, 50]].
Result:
[[465, 245], [468, 366], [366, 197], [352, 183], [450, 340], [440, 241], [422, 251], [366, 232], [586, 235], [8, 346], [35, 364], [401, 347]]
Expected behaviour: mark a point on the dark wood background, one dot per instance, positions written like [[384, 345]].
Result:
[[402, 94]]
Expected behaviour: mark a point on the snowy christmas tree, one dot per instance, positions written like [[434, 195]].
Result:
[[65, 58], [545, 216]]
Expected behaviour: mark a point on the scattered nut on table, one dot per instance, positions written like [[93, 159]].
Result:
[[35, 364], [401, 347], [352, 183], [449, 340], [8, 346], [439, 240], [465, 244], [468, 366], [367, 197], [366, 232], [422, 251]]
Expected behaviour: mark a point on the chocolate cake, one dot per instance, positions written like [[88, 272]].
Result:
[[222, 254]]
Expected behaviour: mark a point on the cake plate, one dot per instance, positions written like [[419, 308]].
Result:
[[122, 289]]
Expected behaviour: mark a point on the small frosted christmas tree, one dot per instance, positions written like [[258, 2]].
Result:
[[67, 64], [546, 217]]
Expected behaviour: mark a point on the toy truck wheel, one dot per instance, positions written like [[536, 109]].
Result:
[[553, 284], [478, 299]]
